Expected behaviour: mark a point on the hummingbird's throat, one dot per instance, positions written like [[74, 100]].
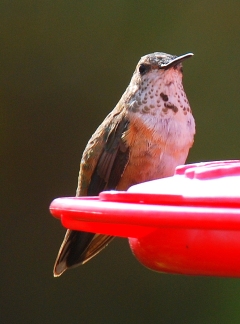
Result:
[[160, 94]]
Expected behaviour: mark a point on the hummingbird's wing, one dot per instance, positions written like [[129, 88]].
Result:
[[102, 166], [112, 161]]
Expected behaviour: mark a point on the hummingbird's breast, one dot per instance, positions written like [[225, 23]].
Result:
[[161, 130]]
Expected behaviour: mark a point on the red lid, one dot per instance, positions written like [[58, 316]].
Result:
[[188, 223]]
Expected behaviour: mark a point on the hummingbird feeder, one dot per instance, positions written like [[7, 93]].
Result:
[[185, 224]]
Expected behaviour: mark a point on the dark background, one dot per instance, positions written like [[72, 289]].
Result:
[[64, 65]]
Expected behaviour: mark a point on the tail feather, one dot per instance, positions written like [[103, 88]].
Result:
[[77, 248]]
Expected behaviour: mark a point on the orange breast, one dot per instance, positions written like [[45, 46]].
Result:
[[150, 157]]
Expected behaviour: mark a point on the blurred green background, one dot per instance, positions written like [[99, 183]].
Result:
[[64, 65]]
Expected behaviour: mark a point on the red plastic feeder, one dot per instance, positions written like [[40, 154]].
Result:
[[185, 224]]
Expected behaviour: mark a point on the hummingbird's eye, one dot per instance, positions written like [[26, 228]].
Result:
[[143, 68]]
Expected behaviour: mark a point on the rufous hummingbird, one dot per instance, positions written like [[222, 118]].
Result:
[[145, 137]]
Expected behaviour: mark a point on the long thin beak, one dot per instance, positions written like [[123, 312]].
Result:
[[176, 61]]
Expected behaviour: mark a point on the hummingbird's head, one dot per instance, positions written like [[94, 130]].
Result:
[[156, 86], [161, 61]]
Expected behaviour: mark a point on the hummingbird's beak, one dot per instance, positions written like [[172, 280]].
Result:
[[176, 61]]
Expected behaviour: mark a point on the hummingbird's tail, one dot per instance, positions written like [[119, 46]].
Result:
[[77, 248]]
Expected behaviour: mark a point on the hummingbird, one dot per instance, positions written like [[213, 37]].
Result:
[[145, 137]]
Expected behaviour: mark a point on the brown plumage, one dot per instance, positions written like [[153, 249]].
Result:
[[145, 137]]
